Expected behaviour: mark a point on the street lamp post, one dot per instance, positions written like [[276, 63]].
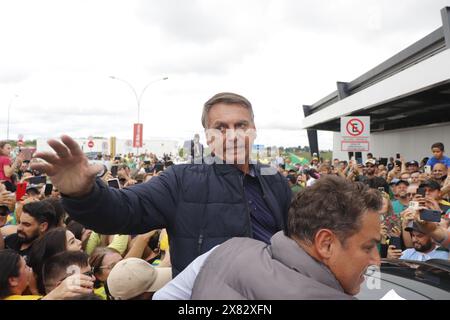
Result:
[[138, 97], [9, 107]]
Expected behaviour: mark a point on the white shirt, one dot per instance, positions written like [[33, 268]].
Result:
[[180, 288]]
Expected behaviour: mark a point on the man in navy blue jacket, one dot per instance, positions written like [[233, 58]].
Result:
[[201, 205]]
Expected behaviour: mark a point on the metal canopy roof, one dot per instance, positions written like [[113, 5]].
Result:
[[426, 105], [431, 106]]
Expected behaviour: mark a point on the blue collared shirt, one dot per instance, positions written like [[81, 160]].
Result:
[[264, 225]]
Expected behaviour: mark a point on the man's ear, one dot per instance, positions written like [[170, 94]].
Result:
[[324, 243], [43, 227]]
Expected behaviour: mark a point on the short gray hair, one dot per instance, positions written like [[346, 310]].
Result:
[[226, 98]]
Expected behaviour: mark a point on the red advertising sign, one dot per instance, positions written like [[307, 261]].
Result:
[[137, 135], [91, 144]]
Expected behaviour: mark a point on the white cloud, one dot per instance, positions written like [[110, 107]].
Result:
[[58, 56]]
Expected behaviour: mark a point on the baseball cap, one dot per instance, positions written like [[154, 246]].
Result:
[[414, 226], [396, 182], [432, 184], [412, 163], [371, 161], [133, 276]]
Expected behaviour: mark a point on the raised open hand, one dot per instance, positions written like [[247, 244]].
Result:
[[69, 168]]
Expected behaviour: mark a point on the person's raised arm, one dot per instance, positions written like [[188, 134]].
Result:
[[106, 210]]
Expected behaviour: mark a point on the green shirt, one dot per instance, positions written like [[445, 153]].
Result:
[[398, 207]]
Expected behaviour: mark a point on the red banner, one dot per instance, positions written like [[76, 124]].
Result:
[[137, 135]]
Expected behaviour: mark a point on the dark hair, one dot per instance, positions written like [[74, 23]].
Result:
[[226, 98], [56, 266], [311, 172], [153, 242], [332, 203], [96, 259], [60, 213], [9, 267], [51, 243], [438, 145], [42, 212], [2, 145], [291, 178], [76, 228]]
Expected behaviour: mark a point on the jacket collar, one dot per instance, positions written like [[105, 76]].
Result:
[[292, 255], [223, 168]]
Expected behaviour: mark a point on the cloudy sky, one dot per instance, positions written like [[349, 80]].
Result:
[[57, 56]]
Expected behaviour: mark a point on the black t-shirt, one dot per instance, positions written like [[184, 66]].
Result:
[[13, 242]]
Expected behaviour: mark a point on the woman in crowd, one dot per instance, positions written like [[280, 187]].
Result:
[[15, 274], [52, 242], [7, 167]]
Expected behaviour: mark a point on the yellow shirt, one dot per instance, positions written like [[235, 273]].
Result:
[[100, 292], [28, 297], [164, 242]]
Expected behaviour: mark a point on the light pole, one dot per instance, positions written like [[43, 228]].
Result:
[[9, 107], [138, 98]]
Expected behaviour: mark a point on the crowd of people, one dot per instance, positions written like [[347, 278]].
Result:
[[68, 232]]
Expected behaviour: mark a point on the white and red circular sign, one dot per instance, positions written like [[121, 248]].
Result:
[[91, 144], [354, 127]]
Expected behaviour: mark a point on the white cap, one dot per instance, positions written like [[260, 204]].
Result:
[[132, 277]]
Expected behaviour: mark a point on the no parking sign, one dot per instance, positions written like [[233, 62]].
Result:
[[355, 133]]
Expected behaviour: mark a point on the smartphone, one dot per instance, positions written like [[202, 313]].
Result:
[[430, 215], [114, 171], [421, 191], [117, 158], [397, 156], [414, 205], [396, 242], [114, 183], [427, 169], [147, 162], [21, 190], [37, 180], [48, 189]]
